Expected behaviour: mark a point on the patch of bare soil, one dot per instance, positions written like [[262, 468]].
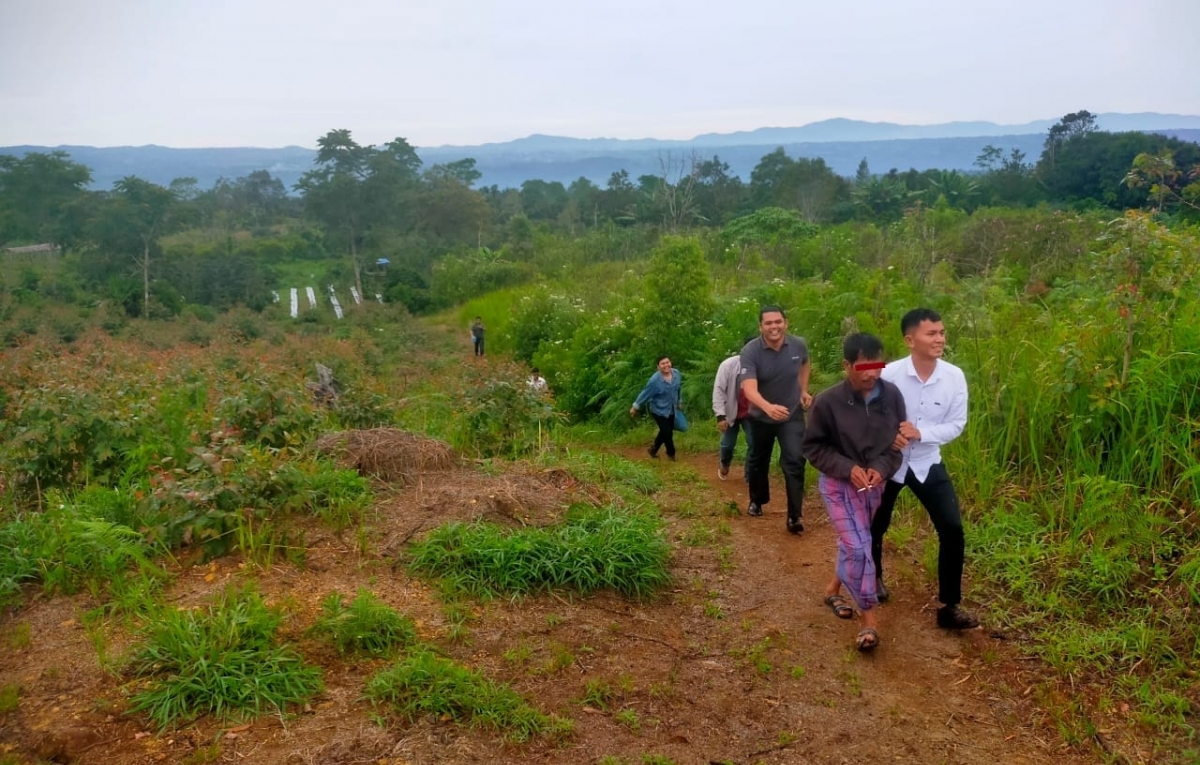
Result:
[[740, 662]]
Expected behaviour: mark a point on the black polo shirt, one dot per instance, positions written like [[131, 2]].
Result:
[[777, 372]]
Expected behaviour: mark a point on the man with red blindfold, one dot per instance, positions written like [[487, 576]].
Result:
[[850, 439]]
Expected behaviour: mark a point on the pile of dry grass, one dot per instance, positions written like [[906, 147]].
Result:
[[387, 453]]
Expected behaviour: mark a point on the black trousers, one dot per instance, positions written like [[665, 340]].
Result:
[[939, 500], [666, 433], [760, 439]]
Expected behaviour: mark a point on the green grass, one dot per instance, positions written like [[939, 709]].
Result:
[[593, 549], [222, 660], [424, 683], [627, 479], [10, 697], [366, 625]]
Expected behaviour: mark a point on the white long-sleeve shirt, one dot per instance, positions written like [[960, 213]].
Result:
[[937, 407]]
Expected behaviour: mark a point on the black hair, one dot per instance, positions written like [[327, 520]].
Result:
[[770, 309], [913, 319], [862, 345], [660, 358]]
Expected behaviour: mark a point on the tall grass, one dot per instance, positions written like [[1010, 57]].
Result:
[[424, 683], [223, 660], [593, 549]]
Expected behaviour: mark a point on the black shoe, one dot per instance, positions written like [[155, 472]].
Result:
[[754, 510], [795, 525], [671, 457], [882, 591], [653, 454], [954, 618]]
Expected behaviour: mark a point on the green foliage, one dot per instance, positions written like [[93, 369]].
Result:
[[223, 661], [457, 278], [366, 625], [72, 546], [265, 413], [592, 549], [614, 473], [499, 415], [424, 683], [541, 316]]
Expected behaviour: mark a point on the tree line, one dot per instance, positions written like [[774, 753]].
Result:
[[404, 228]]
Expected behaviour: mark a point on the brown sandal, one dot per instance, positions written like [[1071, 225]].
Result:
[[838, 605], [867, 639]]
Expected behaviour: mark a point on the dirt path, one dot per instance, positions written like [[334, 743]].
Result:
[[925, 696]]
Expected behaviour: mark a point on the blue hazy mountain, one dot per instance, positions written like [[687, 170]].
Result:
[[842, 143]]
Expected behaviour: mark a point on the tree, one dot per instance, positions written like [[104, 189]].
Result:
[[954, 187], [719, 195], [353, 189], [462, 170], [36, 192], [863, 175], [133, 217], [1071, 126]]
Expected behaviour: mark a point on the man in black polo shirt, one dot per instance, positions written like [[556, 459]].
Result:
[[775, 369]]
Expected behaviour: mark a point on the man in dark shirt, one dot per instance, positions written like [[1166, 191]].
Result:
[[477, 333], [775, 370], [851, 433]]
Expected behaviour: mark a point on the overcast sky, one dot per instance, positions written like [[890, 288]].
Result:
[[278, 72]]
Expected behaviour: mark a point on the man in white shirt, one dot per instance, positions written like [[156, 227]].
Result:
[[935, 399]]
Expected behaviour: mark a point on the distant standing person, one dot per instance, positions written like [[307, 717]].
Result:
[[851, 441], [730, 407], [477, 333], [537, 383], [775, 370], [935, 395], [662, 392]]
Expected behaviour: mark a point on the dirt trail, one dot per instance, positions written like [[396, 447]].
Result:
[[924, 696]]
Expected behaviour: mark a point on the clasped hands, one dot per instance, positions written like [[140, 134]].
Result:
[[864, 478]]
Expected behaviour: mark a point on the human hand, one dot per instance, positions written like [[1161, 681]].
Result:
[[722, 425], [909, 431], [633, 411], [873, 478], [777, 412], [806, 399], [899, 443], [858, 478]]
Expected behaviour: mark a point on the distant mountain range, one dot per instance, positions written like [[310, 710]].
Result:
[[842, 143]]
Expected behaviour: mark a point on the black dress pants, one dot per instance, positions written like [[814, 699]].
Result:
[[940, 501]]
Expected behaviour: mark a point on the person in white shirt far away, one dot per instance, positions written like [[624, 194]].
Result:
[[935, 398]]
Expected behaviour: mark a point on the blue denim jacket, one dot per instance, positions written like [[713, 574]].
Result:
[[662, 395]]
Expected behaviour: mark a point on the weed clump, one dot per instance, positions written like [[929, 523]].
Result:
[[593, 549], [426, 684], [365, 625], [223, 661]]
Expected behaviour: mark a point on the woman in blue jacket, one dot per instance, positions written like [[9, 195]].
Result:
[[662, 392]]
